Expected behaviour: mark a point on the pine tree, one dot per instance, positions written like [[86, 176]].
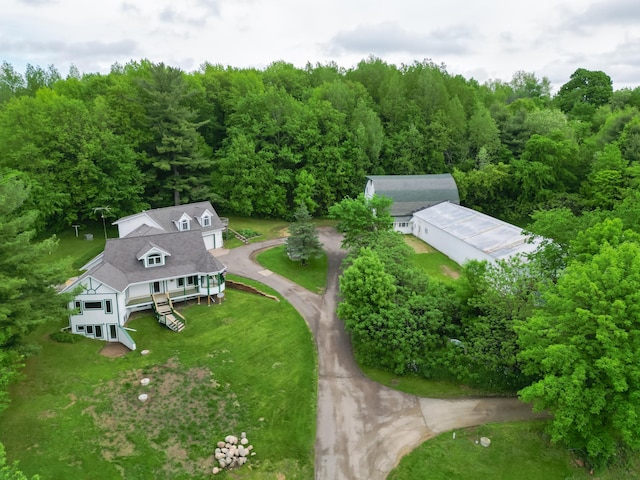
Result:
[[178, 154], [303, 243], [27, 296]]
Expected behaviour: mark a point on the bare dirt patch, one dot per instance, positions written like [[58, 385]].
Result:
[[449, 272], [418, 245], [182, 417], [114, 350]]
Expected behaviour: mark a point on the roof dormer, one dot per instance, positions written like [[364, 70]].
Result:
[[153, 256], [205, 219], [184, 223]]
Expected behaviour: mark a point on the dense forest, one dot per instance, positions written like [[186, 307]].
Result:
[[562, 330], [258, 142]]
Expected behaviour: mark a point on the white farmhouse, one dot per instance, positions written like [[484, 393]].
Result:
[[161, 256]]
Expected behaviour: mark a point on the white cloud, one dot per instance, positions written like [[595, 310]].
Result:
[[391, 38], [480, 39]]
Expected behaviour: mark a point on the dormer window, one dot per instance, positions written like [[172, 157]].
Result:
[[152, 255], [206, 221], [183, 223], [155, 259]]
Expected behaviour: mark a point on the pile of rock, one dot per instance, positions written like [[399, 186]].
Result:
[[233, 452]]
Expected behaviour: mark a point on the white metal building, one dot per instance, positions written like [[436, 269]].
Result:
[[463, 234]]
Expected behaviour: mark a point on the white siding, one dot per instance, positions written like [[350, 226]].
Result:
[[129, 225], [454, 248], [464, 234], [213, 239], [369, 189], [139, 290]]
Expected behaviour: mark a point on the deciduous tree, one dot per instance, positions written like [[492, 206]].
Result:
[[583, 345], [361, 216]]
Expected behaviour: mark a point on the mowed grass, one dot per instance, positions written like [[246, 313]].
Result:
[[432, 262], [267, 228], [313, 276], [248, 365], [77, 250], [518, 451], [421, 386]]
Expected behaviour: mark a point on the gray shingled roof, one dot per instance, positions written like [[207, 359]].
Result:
[[120, 267], [411, 193], [165, 217]]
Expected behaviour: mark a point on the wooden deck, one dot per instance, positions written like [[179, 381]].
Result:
[[176, 295]]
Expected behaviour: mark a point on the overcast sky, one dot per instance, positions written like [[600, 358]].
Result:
[[480, 39]]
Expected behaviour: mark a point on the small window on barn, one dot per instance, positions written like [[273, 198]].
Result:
[[93, 305], [107, 306]]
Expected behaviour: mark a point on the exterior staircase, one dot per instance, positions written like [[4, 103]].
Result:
[[240, 237], [166, 314]]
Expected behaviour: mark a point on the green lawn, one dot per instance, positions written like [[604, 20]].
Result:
[[78, 250], [313, 276], [420, 386], [248, 365], [437, 265], [518, 451], [267, 228]]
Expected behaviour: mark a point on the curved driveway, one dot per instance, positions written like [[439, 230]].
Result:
[[363, 428]]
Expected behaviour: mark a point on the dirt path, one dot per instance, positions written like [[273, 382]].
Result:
[[363, 428]]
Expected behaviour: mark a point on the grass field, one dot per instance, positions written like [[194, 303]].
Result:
[[248, 365], [421, 386], [518, 451], [77, 250], [432, 262], [313, 276]]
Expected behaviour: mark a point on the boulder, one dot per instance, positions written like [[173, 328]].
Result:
[[244, 440]]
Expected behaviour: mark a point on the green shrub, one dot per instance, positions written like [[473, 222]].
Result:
[[65, 337]]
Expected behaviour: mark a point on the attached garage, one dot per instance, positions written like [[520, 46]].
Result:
[[463, 234]]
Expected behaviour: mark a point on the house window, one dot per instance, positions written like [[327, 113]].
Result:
[[155, 259], [98, 331], [107, 306], [93, 305], [80, 328], [78, 306], [206, 221], [113, 335], [184, 224], [181, 282], [193, 280], [90, 329]]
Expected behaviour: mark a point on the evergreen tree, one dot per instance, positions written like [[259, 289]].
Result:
[[303, 243], [27, 296], [178, 153]]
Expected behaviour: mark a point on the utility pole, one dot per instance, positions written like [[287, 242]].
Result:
[[104, 225]]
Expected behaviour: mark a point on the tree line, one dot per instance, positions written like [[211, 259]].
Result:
[[260, 142]]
